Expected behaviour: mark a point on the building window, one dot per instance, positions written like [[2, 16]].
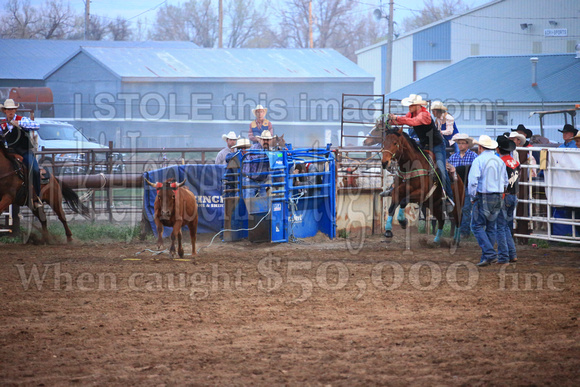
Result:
[[474, 49], [499, 117], [537, 48]]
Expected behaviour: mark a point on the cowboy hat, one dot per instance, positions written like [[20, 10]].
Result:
[[413, 99], [568, 129], [243, 143], [259, 107], [438, 105], [518, 135], [462, 136], [230, 136], [505, 143], [9, 104], [486, 142], [576, 136], [526, 132], [266, 135]]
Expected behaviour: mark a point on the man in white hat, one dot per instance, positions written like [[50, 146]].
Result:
[[445, 123], [488, 181], [464, 155], [259, 124], [430, 138], [462, 161], [15, 130], [230, 139]]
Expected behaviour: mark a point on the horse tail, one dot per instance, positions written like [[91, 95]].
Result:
[[72, 200]]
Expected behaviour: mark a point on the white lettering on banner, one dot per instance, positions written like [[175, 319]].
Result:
[[210, 201], [556, 32]]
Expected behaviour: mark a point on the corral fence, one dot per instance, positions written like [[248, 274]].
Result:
[[549, 195], [110, 182]]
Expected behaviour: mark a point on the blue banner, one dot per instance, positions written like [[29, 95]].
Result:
[[204, 180]]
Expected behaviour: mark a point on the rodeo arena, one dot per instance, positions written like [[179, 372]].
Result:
[[177, 215]]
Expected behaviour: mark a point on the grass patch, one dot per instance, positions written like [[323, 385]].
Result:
[[87, 232]]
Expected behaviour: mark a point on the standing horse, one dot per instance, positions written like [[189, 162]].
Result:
[[416, 182], [12, 192]]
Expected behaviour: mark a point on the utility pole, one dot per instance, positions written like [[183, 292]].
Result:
[[389, 49], [221, 21], [310, 24], [87, 17]]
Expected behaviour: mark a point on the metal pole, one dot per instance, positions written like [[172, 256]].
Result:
[[221, 24], [87, 17], [389, 49], [310, 24]]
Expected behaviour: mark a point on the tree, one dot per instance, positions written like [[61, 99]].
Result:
[[20, 21], [244, 22], [337, 24], [57, 21], [432, 12], [119, 29]]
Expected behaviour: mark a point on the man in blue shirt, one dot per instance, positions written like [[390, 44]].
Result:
[[488, 181], [568, 133]]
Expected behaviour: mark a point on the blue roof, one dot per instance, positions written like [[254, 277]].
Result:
[[36, 58], [247, 64], [505, 78]]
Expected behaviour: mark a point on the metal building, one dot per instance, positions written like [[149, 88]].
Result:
[[173, 94], [501, 27], [492, 94]]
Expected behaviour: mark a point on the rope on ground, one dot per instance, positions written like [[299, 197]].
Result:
[[241, 229]]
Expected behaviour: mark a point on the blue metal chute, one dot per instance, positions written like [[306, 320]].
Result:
[[276, 203]]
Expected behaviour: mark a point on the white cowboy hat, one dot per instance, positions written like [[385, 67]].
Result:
[[462, 136], [259, 107], [9, 104], [230, 136], [577, 135], [413, 99], [438, 105], [520, 136], [486, 142], [243, 143], [266, 135]]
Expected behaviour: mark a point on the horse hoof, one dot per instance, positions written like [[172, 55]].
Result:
[[388, 234], [403, 223]]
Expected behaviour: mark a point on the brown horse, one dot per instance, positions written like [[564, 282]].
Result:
[[417, 182], [12, 191]]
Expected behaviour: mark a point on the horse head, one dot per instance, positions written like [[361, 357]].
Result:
[[375, 136], [392, 146], [279, 142]]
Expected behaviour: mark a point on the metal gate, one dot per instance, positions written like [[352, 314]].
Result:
[[550, 203], [289, 194]]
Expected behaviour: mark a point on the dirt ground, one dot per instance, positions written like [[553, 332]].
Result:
[[317, 312]]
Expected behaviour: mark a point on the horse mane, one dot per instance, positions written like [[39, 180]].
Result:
[[411, 142]]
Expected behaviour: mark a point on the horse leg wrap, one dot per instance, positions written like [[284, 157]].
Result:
[[389, 225], [401, 215], [438, 236]]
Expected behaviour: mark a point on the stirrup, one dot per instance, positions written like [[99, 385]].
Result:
[[387, 192]]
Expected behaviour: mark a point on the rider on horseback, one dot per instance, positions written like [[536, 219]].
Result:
[[15, 132], [430, 138]]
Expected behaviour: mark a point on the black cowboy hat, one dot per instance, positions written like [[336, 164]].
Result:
[[505, 143], [568, 129], [527, 132]]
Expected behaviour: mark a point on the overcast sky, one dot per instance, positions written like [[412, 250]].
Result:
[[141, 9]]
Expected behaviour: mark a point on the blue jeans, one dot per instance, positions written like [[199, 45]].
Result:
[[33, 170], [506, 246], [441, 159], [486, 209], [465, 228]]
